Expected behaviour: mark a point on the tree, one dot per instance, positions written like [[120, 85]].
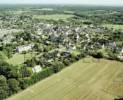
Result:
[[3, 87], [24, 53], [66, 62], [24, 83], [120, 98], [4, 68], [97, 55], [8, 71], [13, 74], [25, 72], [8, 51], [13, 86], [57, 66]]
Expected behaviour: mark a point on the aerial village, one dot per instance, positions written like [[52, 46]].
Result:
[[35, 49]]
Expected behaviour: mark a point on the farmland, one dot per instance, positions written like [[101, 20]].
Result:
[[40, 41], [87, 79], [53, 17], [114, 26]]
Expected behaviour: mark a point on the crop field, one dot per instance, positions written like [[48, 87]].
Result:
[[53, 17], [115, 27], [87, 79]]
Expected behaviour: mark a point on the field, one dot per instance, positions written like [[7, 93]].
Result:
[[19, 58], [88, 79], [53, 17], [115, 27]]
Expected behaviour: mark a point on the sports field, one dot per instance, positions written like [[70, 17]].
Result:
[[88, 79]]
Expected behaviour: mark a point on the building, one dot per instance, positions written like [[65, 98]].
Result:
[[37, 69], [23, 48]]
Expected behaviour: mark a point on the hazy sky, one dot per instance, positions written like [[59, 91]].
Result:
[[96, 2]]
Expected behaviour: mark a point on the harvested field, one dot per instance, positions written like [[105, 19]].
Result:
[[87, 79]]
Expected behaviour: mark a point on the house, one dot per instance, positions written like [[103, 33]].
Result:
[[77, 29], [103, 46], [120, 57], [37, 69], [50, 60], [23, 48], [39, 32]]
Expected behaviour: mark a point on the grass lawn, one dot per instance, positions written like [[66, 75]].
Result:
[[88, 79], [115, 27], [19, 58], [53, 17], [76, 52]]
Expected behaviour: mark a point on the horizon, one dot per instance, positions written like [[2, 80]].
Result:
[[92, 5], [64, 2]]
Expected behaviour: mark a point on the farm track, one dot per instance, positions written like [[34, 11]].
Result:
[[88, 79]]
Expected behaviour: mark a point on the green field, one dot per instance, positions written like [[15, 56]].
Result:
[[115, 27], [53, 17], [19, 58], [88, 79]]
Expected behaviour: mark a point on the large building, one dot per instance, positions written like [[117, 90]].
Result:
[[23, 48]]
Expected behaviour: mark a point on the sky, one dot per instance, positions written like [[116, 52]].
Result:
[[88, 2]]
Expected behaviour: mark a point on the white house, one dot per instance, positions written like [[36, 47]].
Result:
[[20, 49], [39, 32], [120, 56], [121, 51], [77, 29], [103, 46], [37, 69]]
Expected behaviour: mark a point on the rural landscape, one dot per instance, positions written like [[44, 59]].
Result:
[[61, 52]]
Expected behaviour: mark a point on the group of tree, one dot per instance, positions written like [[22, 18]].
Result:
[[11, 79]]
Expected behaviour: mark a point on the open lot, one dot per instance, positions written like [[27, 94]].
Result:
[[53, 17], [87, 79]]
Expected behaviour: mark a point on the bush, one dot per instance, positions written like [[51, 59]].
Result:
[[25, 72], [97, 55], [66, 62], [41, 75], [24, 83], [57, 66], [112, 56]]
